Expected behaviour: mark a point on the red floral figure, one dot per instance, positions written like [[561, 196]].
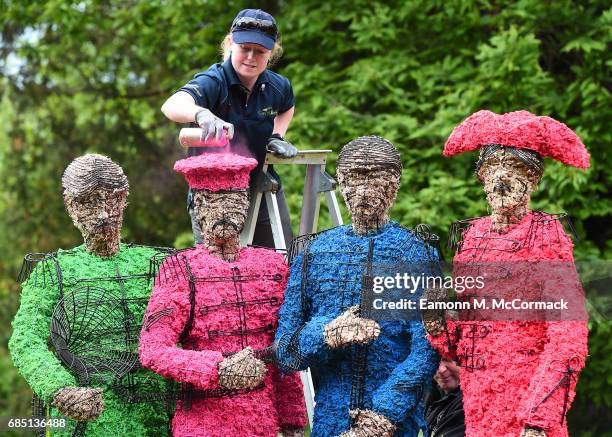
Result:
[[220, 302], [518, 376]]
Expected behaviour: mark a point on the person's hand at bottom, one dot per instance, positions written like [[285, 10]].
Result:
[[369, 424], [79, 403]]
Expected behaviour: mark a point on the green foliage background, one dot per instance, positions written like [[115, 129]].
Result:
[[90, 76]]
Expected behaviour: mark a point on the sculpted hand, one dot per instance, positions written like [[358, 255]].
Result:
[[532, 432], [79, 403], [369, 424], [242, 370], [212, 125], [349, 328]]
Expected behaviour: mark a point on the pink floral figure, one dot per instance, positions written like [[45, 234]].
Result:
[[518, 376], [220, 302]]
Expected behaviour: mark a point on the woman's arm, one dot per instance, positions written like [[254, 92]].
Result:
[[281, 121], [181, 107]]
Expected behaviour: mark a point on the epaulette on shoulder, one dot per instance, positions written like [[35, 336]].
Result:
[[418, 238], [161, 252], [44, 265], [424, 232], [168, 266], [301, 243], [457, 232], [543, 218]]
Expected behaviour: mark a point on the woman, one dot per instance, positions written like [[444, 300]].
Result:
[[252, 104]]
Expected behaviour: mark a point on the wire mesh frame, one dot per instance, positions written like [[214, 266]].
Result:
[[185, 393], [166, 268], [537, 234], [288, 345], [132, 389], [540, 219], [72, 329], [177, 267], [241, 304], [569, 373], [355, 290], [32, 260], [237, 279], [469, 359], [176, 392], [92, 337], [543, 219], [359, 352], [50, 268]]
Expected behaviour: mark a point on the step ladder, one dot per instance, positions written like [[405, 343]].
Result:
[[317, 181]]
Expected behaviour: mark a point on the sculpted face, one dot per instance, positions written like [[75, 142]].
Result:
[[508, 182], [99, 217], [221, 214], [369, 192]]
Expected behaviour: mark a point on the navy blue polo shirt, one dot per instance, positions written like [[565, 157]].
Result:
[[220, 90]]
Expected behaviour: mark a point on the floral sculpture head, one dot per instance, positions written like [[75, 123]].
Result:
[[220, 198], [95, 195], [510, 165], [369, 170]]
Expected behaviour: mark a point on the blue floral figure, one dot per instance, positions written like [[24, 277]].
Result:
[[369, 375]]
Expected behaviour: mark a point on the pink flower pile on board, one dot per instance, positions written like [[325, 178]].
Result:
[[215, 171], [515, 385], [520, 129], [236, 305]]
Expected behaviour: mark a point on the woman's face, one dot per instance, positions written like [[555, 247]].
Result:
[[249, 60]]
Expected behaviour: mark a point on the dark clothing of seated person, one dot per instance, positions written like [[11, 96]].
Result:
[[444, 405]]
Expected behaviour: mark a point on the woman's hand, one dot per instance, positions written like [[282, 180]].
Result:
[[212, 125], [280, 147]]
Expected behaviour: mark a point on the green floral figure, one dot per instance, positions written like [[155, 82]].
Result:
[[88, 303]]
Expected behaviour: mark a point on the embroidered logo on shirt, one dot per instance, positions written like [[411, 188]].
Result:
[[267, 112]]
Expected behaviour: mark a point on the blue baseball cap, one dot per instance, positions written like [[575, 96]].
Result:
[[254, 26]]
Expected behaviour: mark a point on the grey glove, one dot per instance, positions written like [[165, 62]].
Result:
[[280, 147], [212, 125], [79, 403]]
